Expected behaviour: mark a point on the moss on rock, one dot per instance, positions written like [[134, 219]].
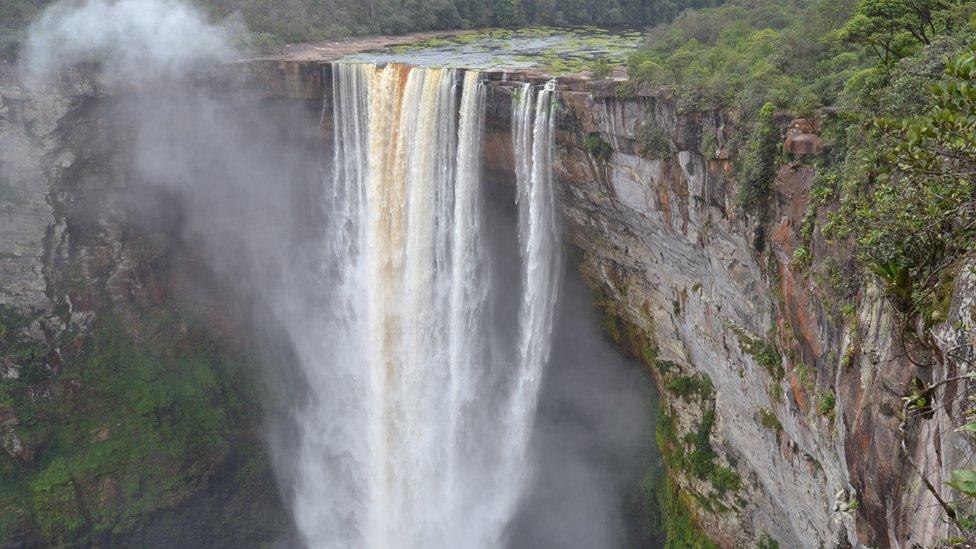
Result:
[[134, 424]]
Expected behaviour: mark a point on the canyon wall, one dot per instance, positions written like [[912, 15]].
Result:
[[781, 381], [128, 412]]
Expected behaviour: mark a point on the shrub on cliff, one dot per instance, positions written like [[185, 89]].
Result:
[[758, 168], [918, 199], [600, 68]]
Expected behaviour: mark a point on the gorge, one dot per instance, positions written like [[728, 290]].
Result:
[[356, 268]]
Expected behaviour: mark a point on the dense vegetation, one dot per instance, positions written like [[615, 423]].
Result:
[[274, 22]]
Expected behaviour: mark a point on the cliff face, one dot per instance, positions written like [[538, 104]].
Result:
[[781, 381], [662, 244], [684, 287], [125, 417]]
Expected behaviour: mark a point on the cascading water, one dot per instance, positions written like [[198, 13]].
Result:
[[532, 127], [417, 430]]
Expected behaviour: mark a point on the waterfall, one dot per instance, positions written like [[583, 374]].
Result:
[[539, 246], [417, 429]]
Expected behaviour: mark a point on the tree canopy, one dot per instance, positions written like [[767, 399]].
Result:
[[276, 21]]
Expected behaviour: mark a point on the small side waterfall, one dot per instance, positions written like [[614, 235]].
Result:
[[539, 243], [419, 422]]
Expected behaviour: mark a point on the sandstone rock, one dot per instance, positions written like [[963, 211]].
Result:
[[801, 139]]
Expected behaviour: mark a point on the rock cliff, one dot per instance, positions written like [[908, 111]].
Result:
[[781, 380], [127, 414]]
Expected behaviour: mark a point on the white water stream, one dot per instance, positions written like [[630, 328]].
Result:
[[419, 433]]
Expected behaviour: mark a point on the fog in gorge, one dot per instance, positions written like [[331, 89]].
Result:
[[404, 307]]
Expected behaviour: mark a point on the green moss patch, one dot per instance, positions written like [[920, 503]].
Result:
[[679, 523], [692, 387], [763, 352], [599, 149]]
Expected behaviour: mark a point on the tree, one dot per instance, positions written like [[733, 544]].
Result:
[[918, 201], [506, 13], [892, 28]]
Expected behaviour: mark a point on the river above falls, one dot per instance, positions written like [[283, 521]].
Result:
[[552, 50]]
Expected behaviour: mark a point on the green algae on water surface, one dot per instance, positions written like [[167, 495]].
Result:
[[555, 51]]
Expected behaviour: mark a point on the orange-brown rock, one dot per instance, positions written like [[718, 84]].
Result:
[[802, 140]]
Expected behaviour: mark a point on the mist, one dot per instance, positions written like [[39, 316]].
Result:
[[132, 41], [246, 189]]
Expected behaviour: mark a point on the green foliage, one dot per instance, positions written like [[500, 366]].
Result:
[[964, 480], [701, 459], [148, 414], [610, 322], [725, 480], [679, 524], [802, 257], [55, 504], [666, 436], [599, 149], [892, 29], [768, 419], [749, 52], [654, 142], [917, 199], [826, 405], [692, 453], [763, 352], [666, 367], [600, 68], [648, 353], [506, 13], [688, 387]]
